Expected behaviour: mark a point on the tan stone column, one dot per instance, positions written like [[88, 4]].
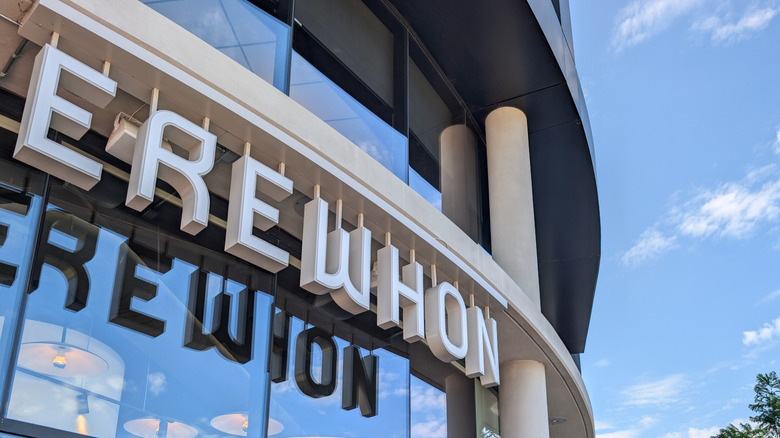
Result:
[[522, 401], [512, 229], [461, 406], [458, 177]]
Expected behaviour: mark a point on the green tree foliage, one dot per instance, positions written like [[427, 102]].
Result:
[[766, 405], [743, 431]]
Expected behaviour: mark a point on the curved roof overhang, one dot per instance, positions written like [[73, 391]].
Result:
[[515, 53]]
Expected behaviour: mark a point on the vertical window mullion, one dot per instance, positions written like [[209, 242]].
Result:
[[17, 330], [401, 80], [287, 15]]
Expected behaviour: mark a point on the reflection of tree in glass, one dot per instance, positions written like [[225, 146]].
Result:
[[487, 433]]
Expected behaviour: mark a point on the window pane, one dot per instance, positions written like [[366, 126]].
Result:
[[341, 111], [428, 114], [356, 36], [303, 415], [133, 331], [424, 188], [487, 411], [20, 208], [429, 410], [242, 31]]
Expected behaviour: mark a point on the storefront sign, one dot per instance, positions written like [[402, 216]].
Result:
[[335, 262]]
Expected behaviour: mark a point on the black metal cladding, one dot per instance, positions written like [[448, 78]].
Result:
[[496, 54]]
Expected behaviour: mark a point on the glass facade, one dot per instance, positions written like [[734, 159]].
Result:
[[324, 414], [238, 29], [116, 324], [337, 59], [128, 329]]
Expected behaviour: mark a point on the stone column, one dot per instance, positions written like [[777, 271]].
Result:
[[461, 406], [458, 177], [512, 229], [522, 401]]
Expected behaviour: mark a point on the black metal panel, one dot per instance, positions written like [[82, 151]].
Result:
[[495, 54], [491, 51], [567, 228]]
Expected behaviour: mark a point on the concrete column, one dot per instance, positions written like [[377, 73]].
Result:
[[461, 407], [512, 229], [522, 400], [459, 177]]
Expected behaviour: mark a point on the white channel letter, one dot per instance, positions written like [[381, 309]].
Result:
[[482, 331], [44, 110], [246, 211], [446, 329], [338, 261], [151, 159], [407, 293]]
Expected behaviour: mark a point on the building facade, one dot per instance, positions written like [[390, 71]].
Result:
[[294, 218]]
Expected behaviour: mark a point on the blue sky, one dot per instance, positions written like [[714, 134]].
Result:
[[685, 110]]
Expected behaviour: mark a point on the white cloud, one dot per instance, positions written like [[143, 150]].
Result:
[[736, 210], [764, 335], [771, 296], [753, 20], [649, 245], [432, 429], [647, 422], [673, 435], [702, 433], [660, 392], [603, 425], [157, 383], [619, 434], [602, 363], [731, 210], [777, 142], [428, 399], [644, 18]]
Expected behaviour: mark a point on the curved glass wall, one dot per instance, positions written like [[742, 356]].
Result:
[[322, 409], [429, 410], [329, 102], [21, 201], [133, 331]]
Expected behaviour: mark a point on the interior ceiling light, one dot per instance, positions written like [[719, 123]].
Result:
[[557, 420], [60, 360], [154, 428], [238, 424]]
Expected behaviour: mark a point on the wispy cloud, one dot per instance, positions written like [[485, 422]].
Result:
[[734, 210], [665, 391], [619, 434], [157, 383], [643, 19], [765, 335], [693, 432], [647, 422], [769, 297], [777, 142], [723, 31], [603, 425], [602, 363], [649, 245], [432, 429], [731, 210], [427, 399], [702, 433]]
